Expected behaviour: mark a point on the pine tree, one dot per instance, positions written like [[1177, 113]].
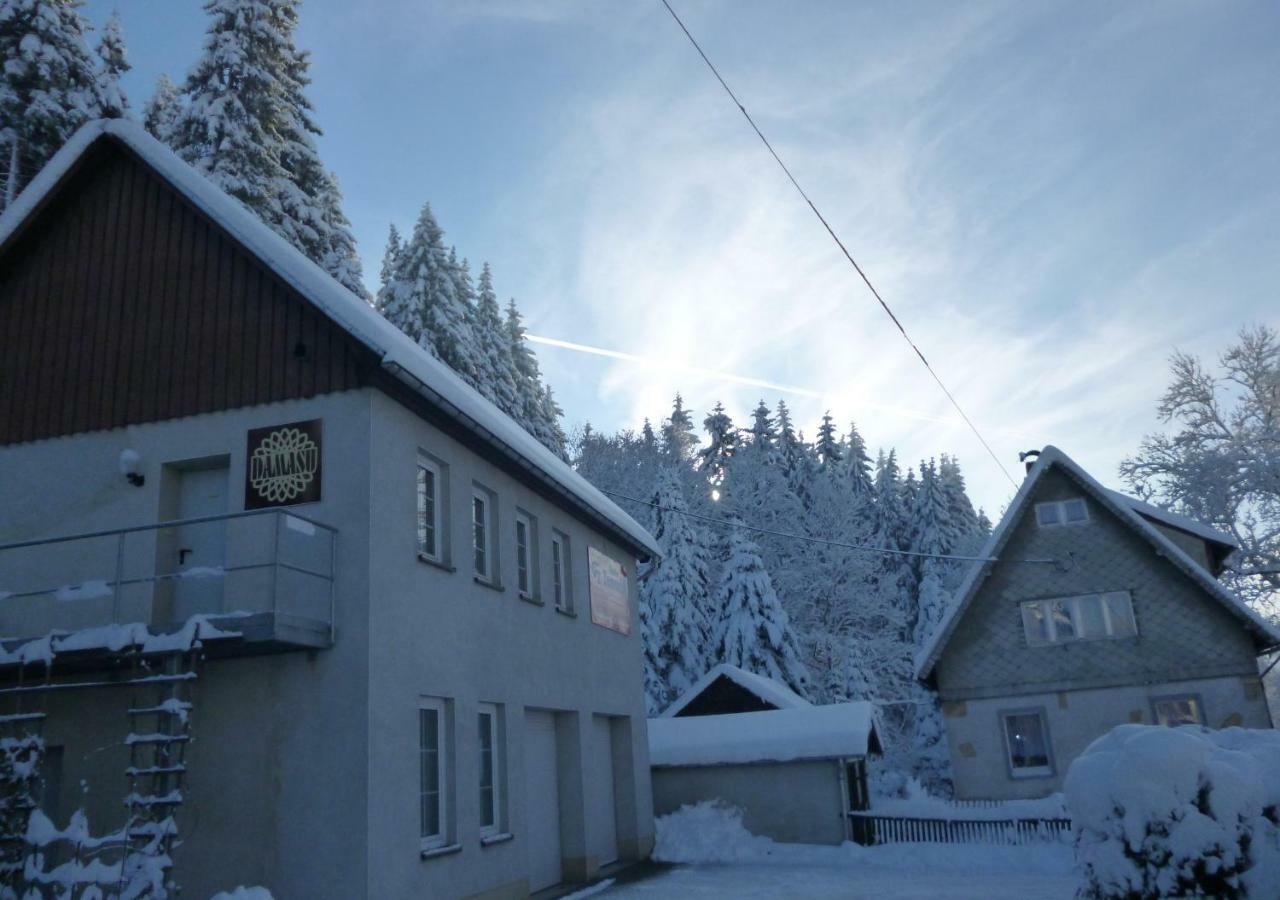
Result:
[[234, 113], [340, 259], [499, 375], [764, 436], [387, 274], [162, 112], [48, 86], [113, 64], [754, 631], [678, 438], [677, 596], [827, 445], [858, 464], [540, 415], [722, 442]]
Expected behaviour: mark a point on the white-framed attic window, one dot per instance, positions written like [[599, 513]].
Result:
[[1062, 512]]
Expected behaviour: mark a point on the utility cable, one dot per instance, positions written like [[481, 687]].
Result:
[[840, 244], [729, 523]]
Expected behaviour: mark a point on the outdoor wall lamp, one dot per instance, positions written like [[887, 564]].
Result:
[[131, 467]]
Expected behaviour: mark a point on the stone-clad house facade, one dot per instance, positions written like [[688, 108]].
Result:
[[1098, 610]]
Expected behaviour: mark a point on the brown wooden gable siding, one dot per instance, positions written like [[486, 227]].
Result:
[[122, 303]]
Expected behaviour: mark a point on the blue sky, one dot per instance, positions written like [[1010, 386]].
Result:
[[1053, 197]]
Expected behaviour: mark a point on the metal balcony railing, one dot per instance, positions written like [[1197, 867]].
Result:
[[269, 561]]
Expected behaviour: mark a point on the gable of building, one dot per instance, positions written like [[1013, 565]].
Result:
[[122, 304], [730, 689], [1189, 625], [133, 290]]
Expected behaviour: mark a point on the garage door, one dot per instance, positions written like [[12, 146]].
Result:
[[602, 838], [542, 800]]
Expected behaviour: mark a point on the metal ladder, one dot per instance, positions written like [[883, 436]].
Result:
[[159, 734]]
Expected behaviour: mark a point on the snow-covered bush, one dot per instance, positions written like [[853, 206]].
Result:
[[1161, 812]]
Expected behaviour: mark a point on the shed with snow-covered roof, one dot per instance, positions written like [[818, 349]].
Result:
[[795, 772], [1091, 609]]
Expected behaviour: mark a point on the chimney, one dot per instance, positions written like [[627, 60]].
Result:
[[1028, 458]]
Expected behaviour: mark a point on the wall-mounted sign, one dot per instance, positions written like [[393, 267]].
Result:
[[282, 465], [610, 592]]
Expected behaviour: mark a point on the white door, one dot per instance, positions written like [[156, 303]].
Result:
[[602, 839], [200, 549], [542, 799]]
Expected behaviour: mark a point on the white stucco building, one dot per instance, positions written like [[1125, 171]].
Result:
[[419, 665]]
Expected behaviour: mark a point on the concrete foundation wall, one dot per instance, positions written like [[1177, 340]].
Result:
[[1076, 718], [797, 802]]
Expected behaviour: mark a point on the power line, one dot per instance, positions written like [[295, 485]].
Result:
[[862, 548], [839, 243]]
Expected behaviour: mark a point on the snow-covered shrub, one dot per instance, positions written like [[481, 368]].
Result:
[[1162, 812], [710, 831]]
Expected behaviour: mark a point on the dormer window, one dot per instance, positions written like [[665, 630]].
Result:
[[1062, 512]]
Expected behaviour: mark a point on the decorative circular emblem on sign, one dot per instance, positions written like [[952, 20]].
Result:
[[283, 465]]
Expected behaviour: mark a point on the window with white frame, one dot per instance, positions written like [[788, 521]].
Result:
[[1180, 710], [561, 589], [482, 533], [1026, 740], [433, 763], [1089, 617], [430, 509], [526, 556], [489, 744], [1062, 512]]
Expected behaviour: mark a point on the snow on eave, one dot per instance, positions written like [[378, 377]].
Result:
[[432, 378], [766, 689], [835, 731], [1176, 520], [1119, 505]]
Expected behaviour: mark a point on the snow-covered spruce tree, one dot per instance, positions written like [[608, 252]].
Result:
[[384, 301], [427, 298], [678, 438], [234, 111], [753, 630], [676, 597], [161, 113], [539, 413], [625, 463], [48, 86], [113, 63], [827, 446], [1220, 461], [340, 259], [498, 370], [722, 441]]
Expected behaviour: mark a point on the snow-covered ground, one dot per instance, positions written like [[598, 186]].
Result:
[[717, 857]]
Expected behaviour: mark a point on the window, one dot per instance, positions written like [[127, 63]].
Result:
[[1062, 512], [1026, 739], [1089, 617], [482, 533], [1173, 711], [526, 556], [490, 746], [560, 572], [433, 773], [430, 509]]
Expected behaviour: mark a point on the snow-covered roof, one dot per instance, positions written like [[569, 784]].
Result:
[[1174, 520], [1124, 509], [775, 735], [769, 691], [400, 355]]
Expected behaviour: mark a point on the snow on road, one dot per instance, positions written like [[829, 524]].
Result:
[[715, 856], [848, 882]]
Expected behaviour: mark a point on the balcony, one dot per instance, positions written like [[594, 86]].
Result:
[[264, 576]]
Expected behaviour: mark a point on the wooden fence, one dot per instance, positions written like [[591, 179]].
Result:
[[869, 828]]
